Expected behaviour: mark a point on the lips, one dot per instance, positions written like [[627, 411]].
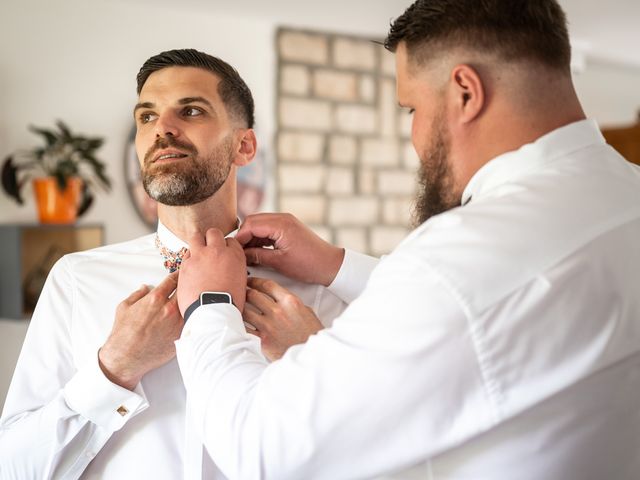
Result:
[[167, 155]]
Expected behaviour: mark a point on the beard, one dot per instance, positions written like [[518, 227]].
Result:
[[189, 180], [435, 179]]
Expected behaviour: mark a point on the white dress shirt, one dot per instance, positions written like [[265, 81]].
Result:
[[500, 340], [62, 418]]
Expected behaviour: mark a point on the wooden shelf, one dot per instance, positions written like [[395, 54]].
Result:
[[28, 252], [625, 140]]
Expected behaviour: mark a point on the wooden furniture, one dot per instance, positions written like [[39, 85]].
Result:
[[625, 140], [28, 252]]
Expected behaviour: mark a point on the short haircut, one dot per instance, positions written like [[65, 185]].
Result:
[[233, 91], [534, 30]]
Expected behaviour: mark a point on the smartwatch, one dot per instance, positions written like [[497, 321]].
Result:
[[207, 298]]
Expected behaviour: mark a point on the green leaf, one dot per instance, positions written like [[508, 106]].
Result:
[[39, 153], [10, 180], [86, 201], [50, 137], [64, 130], [95, 143], [98, 169], [61, 180]]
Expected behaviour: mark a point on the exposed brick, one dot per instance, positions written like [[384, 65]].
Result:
[[346, 164], [323, 232], [304, 47], [353, 211], [397, 211], [309, 114], [367, 88], [381, 153], [342, 149], [308, 208], [356, 119], [385, 239], [340, 181], [410, 158], [366, 181], [300, 147], [335, 85], [357, 54], [388, 109], [352, 238], [404, 124], [396, 182], [387, 62], [301, 179], [295, 79]]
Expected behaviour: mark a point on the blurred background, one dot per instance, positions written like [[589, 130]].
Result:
[[334, 147]]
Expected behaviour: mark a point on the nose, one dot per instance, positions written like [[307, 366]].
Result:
[[166, 125]]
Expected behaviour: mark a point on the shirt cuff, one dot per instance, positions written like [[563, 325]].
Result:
[[210, 317], [353, 275], [211, 329], [102, 402]]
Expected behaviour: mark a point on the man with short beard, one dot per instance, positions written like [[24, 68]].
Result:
[[501, 339], [102, 398]]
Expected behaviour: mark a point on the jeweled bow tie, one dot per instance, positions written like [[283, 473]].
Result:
[[172, 260]]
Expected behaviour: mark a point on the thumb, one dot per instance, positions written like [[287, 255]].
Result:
[[168, 285], [137, 295], [267, 257]]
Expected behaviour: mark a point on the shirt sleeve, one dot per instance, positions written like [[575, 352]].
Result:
[[56, 417], [353, 275], [393, 383]]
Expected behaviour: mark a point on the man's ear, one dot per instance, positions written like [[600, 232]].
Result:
[[467, 93], [247, 145]]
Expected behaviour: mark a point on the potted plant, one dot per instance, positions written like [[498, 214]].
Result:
[[65, 171]]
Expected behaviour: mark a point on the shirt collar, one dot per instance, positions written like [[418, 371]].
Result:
[[173, 243], [510, 165]]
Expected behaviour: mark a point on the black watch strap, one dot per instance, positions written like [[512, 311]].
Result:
[[207, 298]]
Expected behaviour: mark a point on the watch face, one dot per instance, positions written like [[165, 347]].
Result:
[[214, 297]]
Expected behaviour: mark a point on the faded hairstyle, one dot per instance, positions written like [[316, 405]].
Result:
[[534, 30], [232, 89]]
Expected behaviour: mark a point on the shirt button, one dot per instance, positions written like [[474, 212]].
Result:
[[122, 410], [90, 454], [186, 333]]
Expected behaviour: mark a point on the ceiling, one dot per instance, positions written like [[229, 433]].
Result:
[[601, 31]]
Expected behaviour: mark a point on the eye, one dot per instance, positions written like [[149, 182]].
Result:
[[146, 117], [192, 112]]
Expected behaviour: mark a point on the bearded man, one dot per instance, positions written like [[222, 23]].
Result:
[[95, 397], [501, 339]]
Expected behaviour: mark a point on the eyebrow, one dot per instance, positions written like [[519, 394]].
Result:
[[182, 101]]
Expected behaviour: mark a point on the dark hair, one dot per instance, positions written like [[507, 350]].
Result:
[[514, 29], [233, 91]]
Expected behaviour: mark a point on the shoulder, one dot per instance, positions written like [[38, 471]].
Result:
[[140, 245], [480, 252], [130, 252]]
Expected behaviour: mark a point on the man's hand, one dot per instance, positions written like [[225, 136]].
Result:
[[146, 325], [280, 318], [213, 264], [297, 252]]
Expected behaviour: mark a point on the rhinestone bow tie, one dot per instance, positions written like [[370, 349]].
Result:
[[172, 260]]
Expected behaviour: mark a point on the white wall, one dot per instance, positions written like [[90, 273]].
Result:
[[77, 61], [610, 93], [12, 334]]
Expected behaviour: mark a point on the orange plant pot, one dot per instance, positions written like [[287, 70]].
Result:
[[55, 205]]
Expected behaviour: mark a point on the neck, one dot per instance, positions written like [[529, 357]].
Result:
[[509, 124], [218, 211]]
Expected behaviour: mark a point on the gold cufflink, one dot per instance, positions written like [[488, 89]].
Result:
[[122, 410]]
